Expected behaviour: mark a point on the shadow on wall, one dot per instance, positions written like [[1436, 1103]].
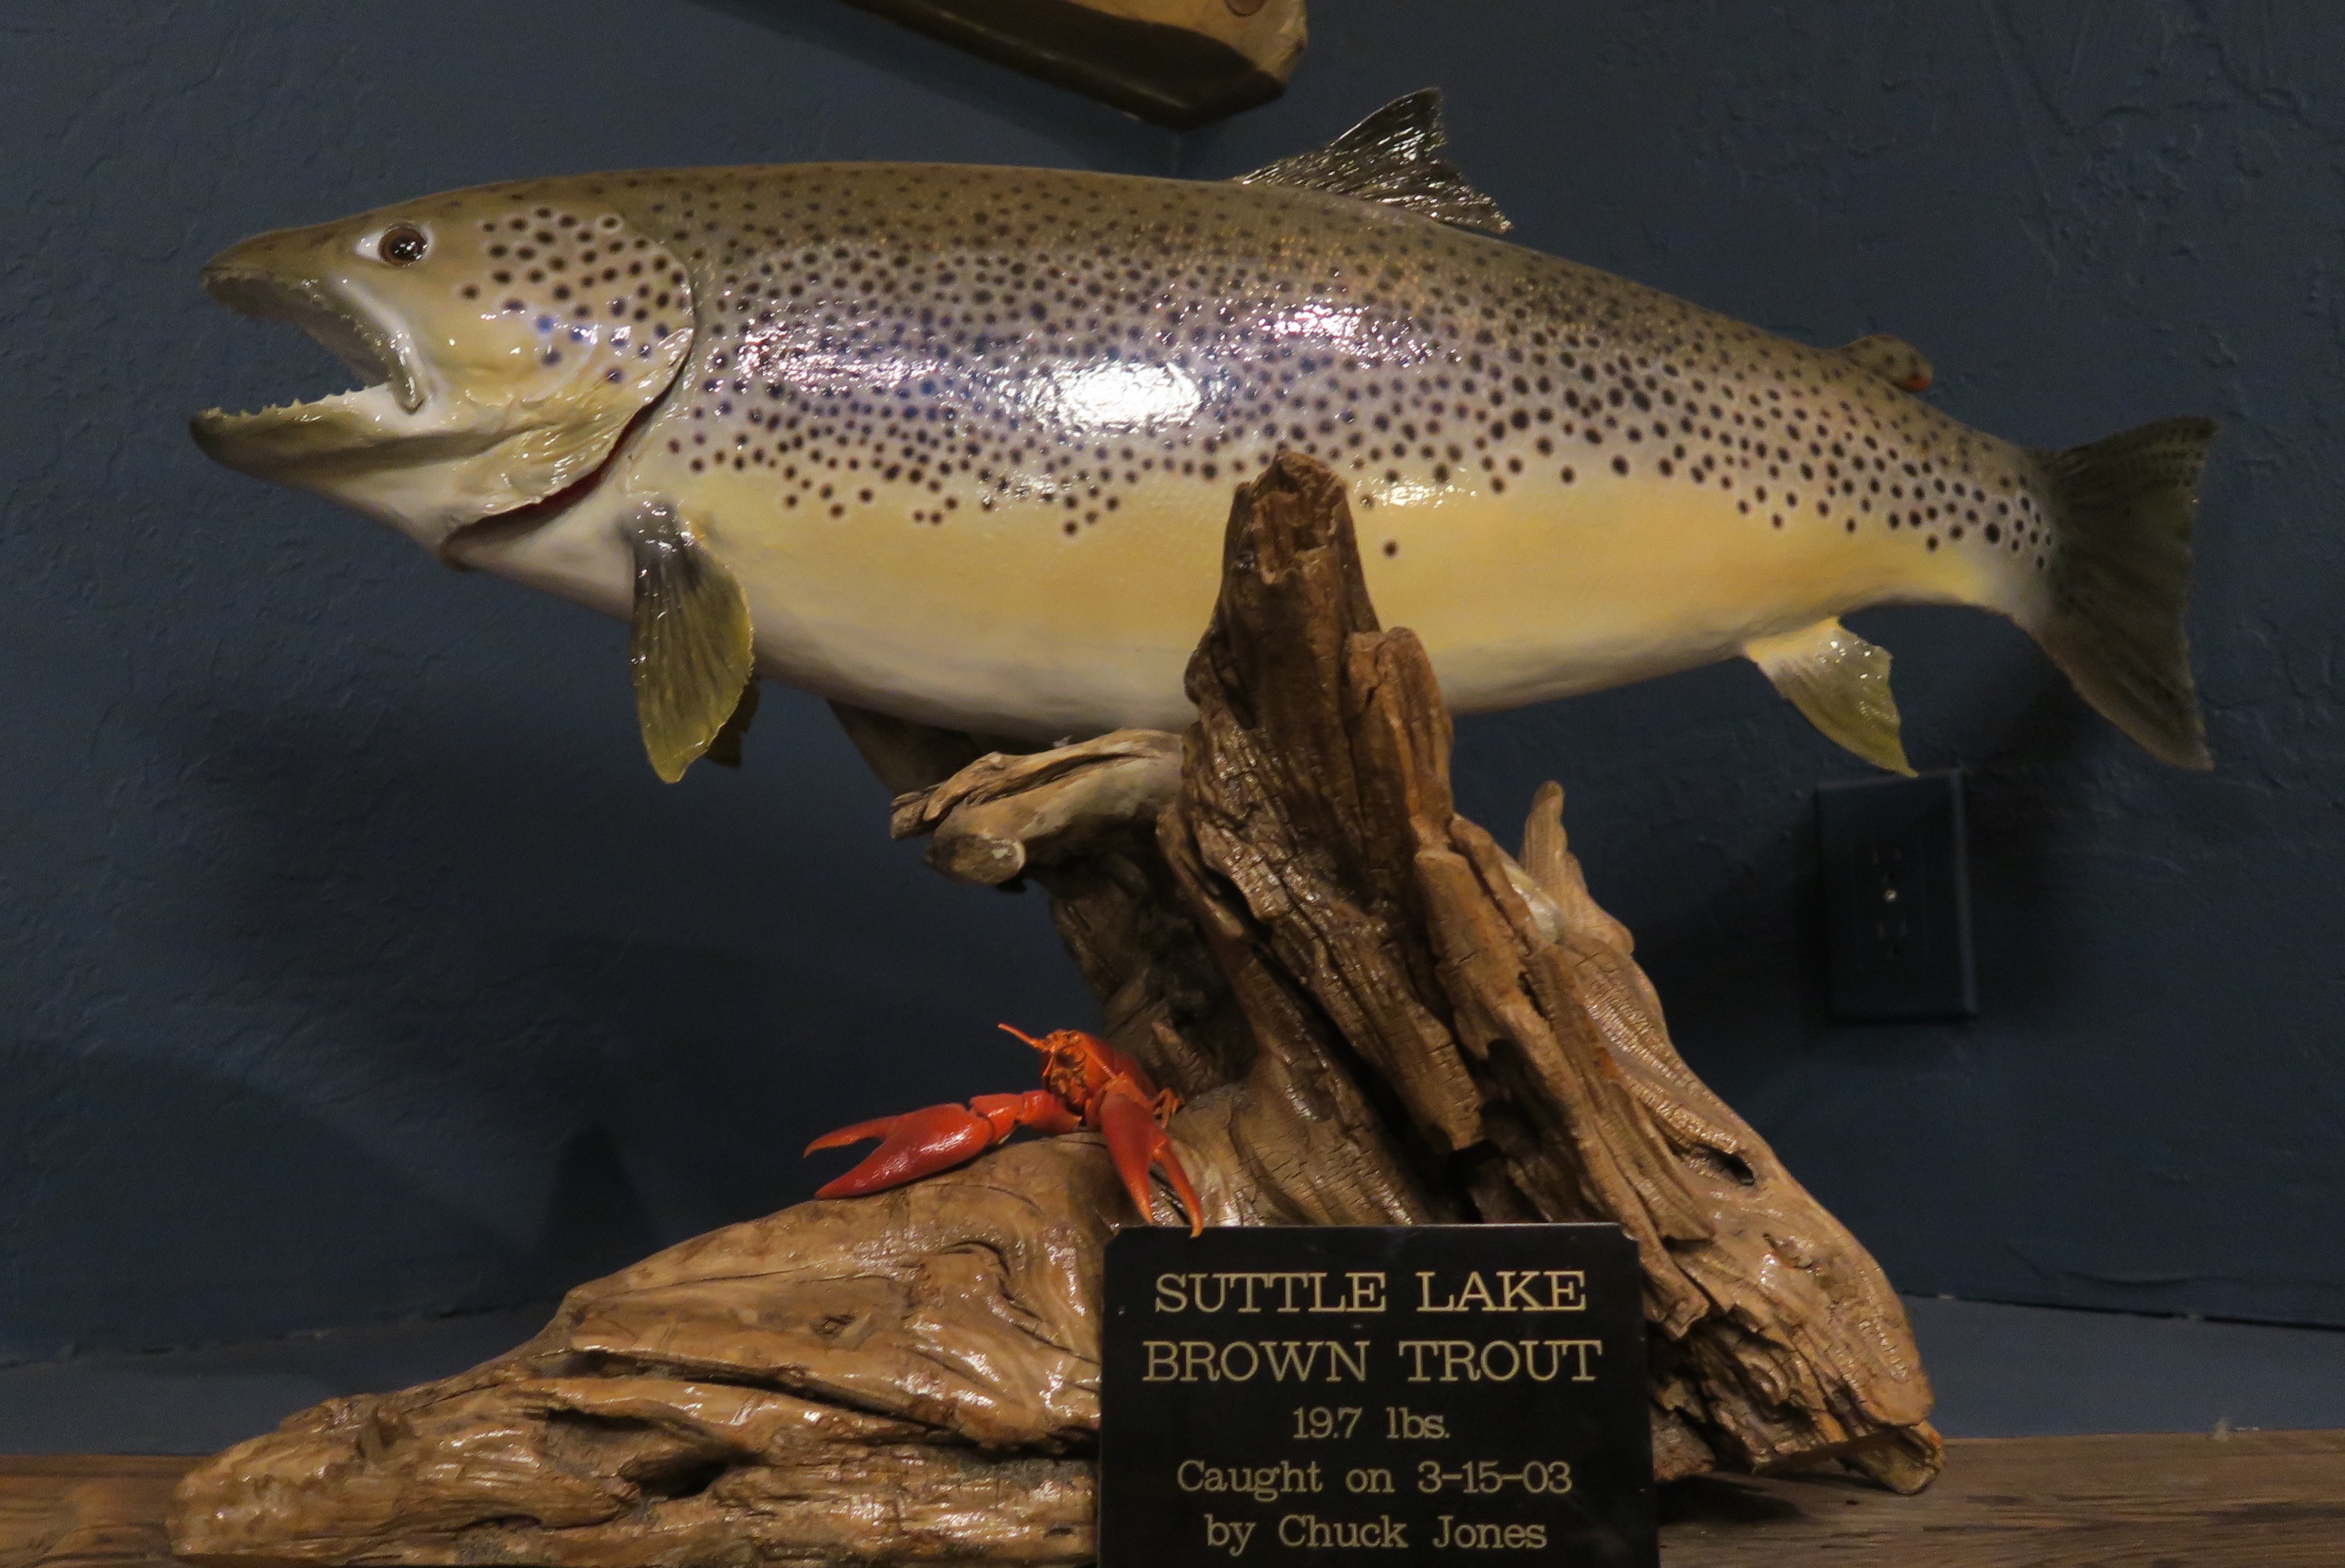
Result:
[[429, 1058], [201, 1208]]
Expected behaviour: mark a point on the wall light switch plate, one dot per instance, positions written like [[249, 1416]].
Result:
[[1897, 899]]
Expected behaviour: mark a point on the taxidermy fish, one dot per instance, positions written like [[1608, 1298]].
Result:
[[956, 443]]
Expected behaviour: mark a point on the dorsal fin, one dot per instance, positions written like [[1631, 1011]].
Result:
[[1388, 158], [1894, 360]]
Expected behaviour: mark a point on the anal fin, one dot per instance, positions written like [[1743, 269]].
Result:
[[1841, 681], [690, 645]]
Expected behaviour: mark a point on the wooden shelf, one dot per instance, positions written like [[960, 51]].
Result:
[[85, 1509], [2251, 1499]]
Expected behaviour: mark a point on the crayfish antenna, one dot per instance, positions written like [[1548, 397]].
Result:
[[1014, 1029]]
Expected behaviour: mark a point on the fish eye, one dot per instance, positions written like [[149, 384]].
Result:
[[404, 246]]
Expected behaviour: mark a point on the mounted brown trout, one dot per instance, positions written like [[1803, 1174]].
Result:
[[955, 443]]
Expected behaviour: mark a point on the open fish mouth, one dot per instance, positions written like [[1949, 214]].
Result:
[[324, 430]]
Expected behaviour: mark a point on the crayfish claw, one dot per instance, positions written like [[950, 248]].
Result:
[[916, 1144], [1135, 1143], [878, 1127]]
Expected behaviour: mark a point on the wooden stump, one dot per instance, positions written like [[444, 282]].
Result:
[[1375, 1015], [1424, 1028]]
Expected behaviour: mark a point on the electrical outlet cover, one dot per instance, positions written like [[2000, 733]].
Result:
[[1897, 899]]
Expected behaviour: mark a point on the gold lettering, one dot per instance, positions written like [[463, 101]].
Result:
[[1514, 1290], [1292, 1358]]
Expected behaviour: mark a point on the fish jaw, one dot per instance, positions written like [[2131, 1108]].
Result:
[[489, 391], [430, 473]]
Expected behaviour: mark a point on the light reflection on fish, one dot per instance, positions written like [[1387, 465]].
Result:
[[956, 443]]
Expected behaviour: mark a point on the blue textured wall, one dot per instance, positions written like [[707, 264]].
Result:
[[353, 963]]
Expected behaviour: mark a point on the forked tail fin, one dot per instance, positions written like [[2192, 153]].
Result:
[[2121, 577]]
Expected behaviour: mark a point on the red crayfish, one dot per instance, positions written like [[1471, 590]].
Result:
[[1086, 1082]]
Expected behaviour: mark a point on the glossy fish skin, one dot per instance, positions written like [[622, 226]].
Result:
[[966, 436]]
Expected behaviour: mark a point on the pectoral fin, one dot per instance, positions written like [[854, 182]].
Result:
[[690, 645], [1894, 360], [1841, 681]]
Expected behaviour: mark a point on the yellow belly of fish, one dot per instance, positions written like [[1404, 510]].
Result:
[[1005, 622]]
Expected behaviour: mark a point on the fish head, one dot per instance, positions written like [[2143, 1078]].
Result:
[[508, 336]]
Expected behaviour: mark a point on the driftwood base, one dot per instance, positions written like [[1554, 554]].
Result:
[[903, 1378], [1376, 1016]]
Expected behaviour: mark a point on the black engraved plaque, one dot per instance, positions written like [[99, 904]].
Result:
[[1389, 1395]]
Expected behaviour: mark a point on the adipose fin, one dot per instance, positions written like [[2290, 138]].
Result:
[[1388, 158], [1894, 360], [2120, 580], [690, 645], [1841, 681]]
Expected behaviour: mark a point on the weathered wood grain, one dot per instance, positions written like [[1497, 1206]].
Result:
[[910, 1378]]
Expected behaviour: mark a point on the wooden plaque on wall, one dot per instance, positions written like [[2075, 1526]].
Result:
[[1180, 63]]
